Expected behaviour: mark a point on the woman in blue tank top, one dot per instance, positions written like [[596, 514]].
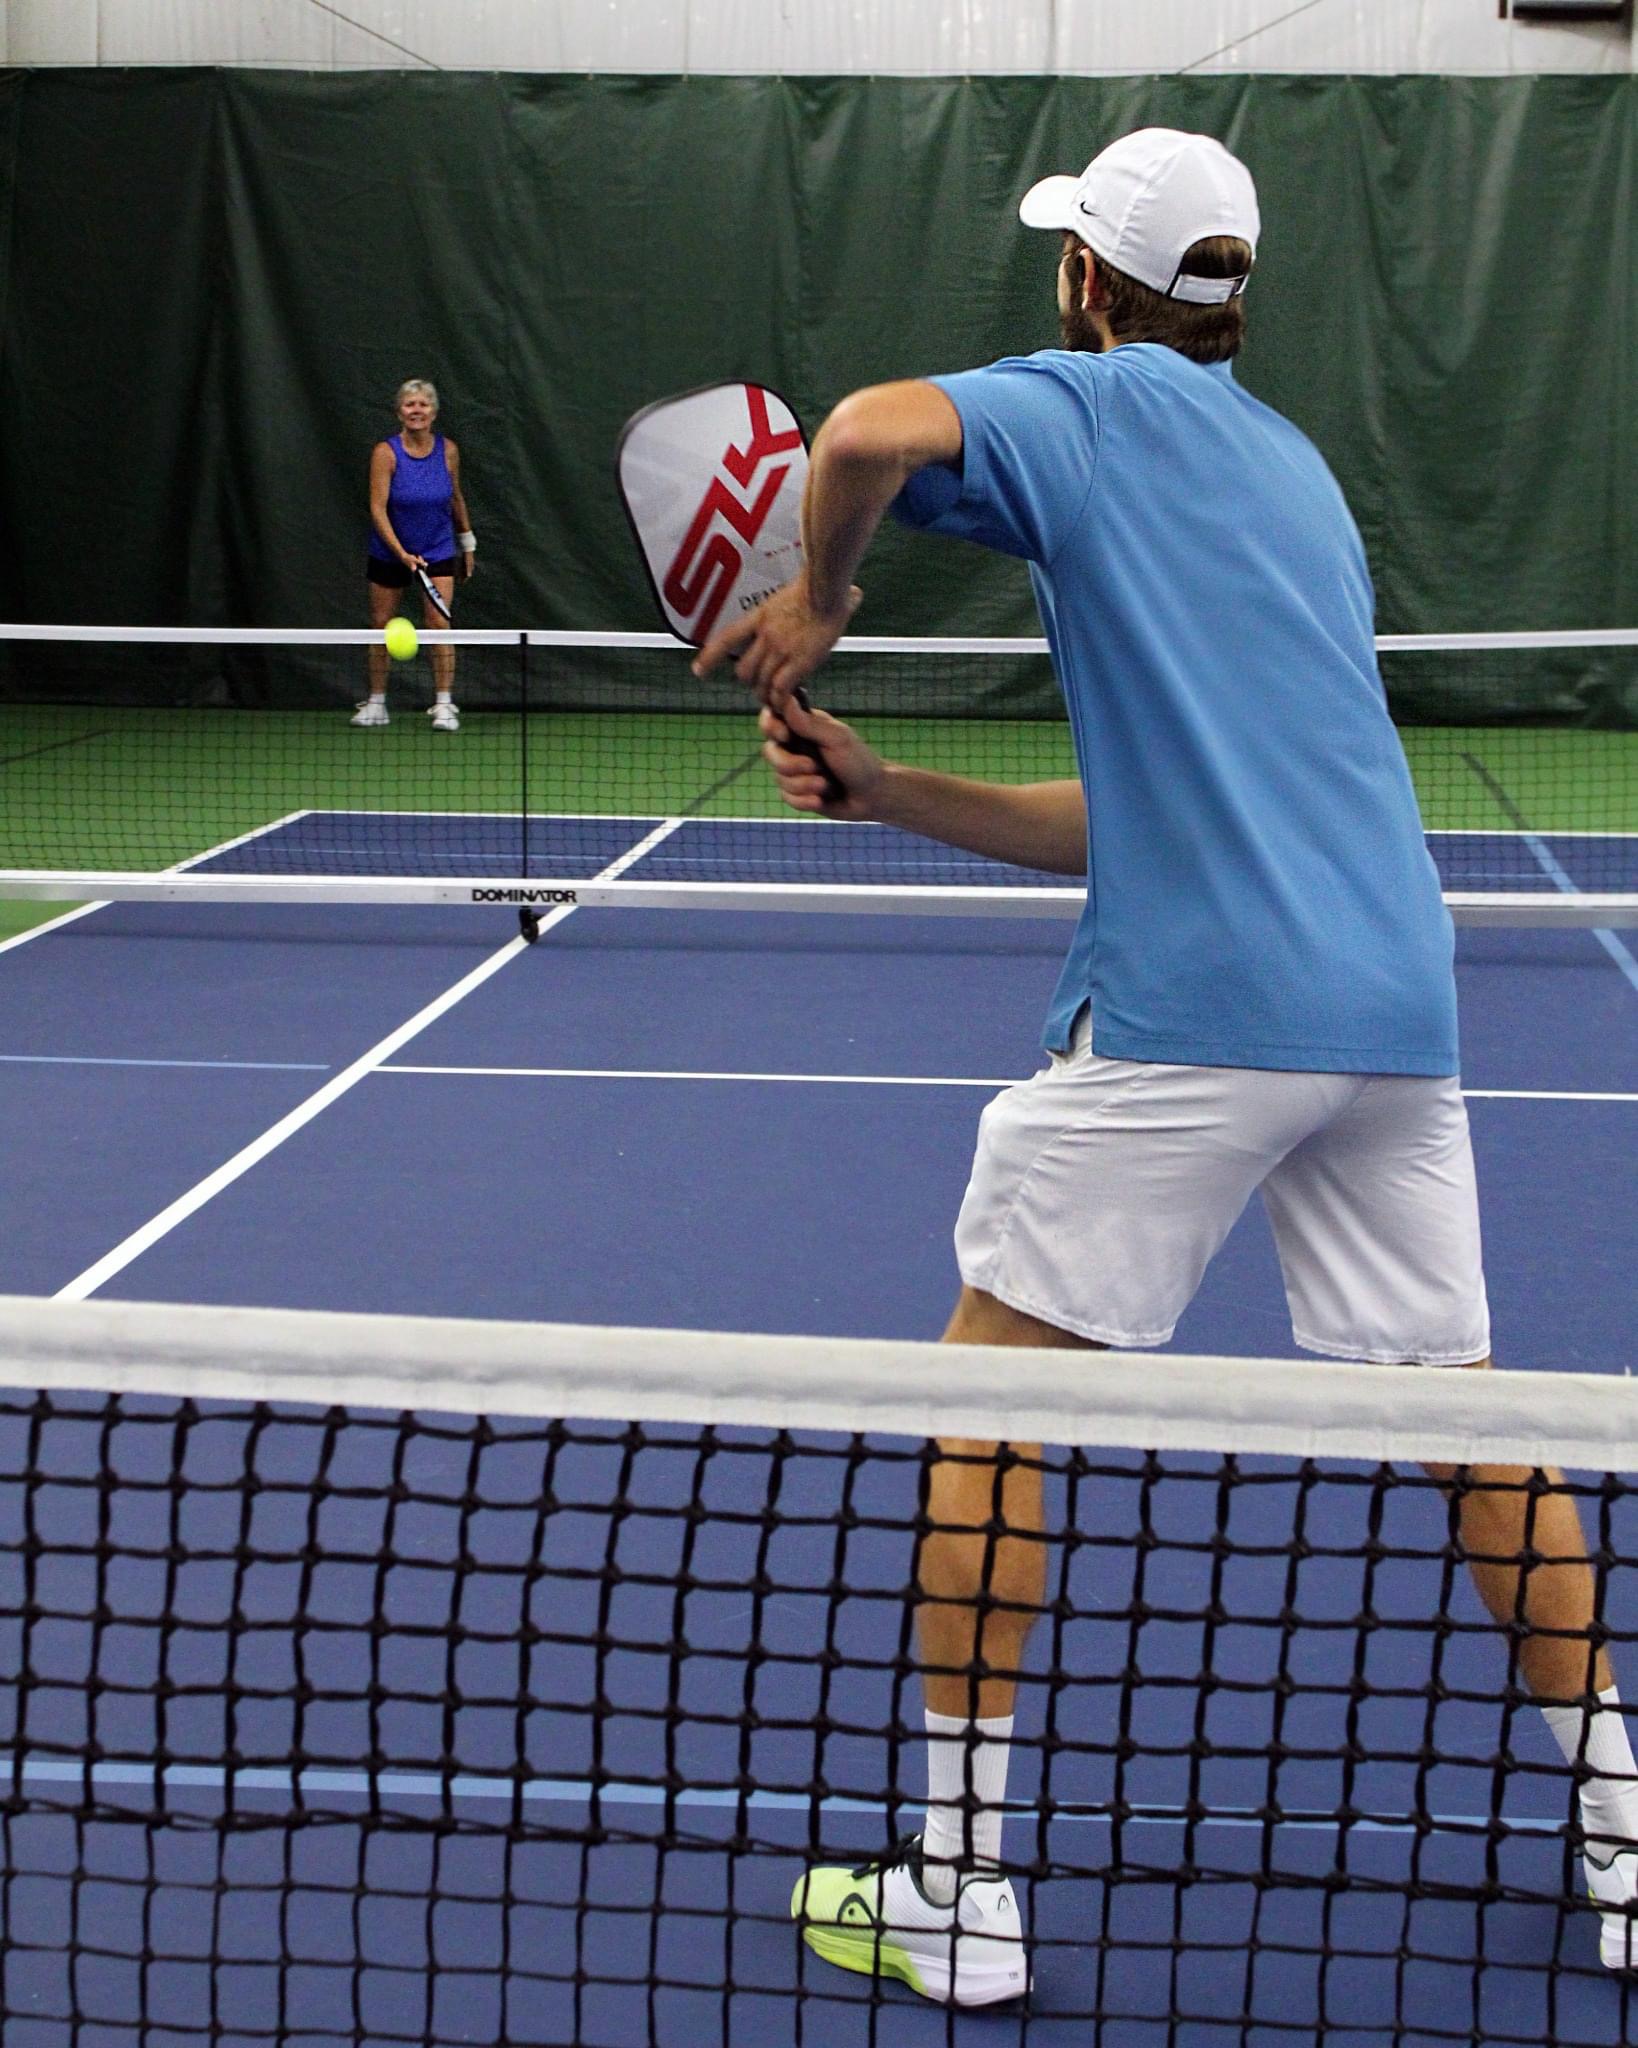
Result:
[[418, 520]]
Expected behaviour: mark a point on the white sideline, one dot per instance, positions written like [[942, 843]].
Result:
[[81, 1059], [149, 1233], [1546, 1095], [52, 924], [889, 1080], [664, 1074]]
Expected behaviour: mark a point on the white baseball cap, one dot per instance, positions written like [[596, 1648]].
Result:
[[1144, 202]]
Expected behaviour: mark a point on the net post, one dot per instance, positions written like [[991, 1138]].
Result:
[[523, 753], [528, 918]]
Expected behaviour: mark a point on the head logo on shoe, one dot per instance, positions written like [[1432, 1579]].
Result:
[[878, 1920]]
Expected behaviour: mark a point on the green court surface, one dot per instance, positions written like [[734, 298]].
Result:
[[1484, 778], [16, 916], [146, 789]]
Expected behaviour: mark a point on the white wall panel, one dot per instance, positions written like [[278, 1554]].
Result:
[[1465, 36], [63, 33], [1102, 36], [528, 35], [915, 37], [360, 49], [307, 27], [798, 36], [1576, 46], [627, 35], [500, 35], [1370, 35], [184, 32], [1338, 35]]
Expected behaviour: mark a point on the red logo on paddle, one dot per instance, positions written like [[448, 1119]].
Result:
[[708, 563]]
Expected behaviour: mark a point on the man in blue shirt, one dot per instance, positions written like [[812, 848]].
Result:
[[1259, 994]]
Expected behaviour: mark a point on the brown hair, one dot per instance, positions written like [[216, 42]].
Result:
[[1205, 334]]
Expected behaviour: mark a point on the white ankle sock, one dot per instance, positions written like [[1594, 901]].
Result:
[[966, 1784], [444, 697], [1609, 1799]]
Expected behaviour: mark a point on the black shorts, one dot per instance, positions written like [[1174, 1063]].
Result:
[[394, 576]]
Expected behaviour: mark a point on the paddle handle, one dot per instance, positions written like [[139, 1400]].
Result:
[[433, 596], [793, 743]]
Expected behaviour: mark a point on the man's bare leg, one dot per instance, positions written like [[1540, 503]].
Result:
[[938, 1913], [981, 1591], [1500, 1522], [1527, 1552]]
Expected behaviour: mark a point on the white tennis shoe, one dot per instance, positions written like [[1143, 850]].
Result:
[[1613, 1889], [877, 1919], [445, 718], [373, 711]]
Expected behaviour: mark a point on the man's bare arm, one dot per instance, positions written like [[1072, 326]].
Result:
[[865, 453], [1032, 824]]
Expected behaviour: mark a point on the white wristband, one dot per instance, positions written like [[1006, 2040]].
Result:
[[467, 542]]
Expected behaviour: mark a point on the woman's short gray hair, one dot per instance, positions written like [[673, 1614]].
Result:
[[417, 387]]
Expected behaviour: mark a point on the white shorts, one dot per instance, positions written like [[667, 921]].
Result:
[[1101, 1189]]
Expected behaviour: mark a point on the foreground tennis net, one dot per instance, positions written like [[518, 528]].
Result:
[[594, 768], [356, 1694]]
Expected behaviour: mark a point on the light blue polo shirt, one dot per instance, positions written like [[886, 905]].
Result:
[[1259, 892]]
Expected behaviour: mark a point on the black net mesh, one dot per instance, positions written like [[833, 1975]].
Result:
[[139, 756], [332, 1725]]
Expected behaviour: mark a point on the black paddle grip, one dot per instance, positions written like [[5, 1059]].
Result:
[[793, 743]]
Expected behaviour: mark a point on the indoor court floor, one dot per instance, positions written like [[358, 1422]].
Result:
[[743, 1122]]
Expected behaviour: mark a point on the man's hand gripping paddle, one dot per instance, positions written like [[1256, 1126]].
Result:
[[712, 483]]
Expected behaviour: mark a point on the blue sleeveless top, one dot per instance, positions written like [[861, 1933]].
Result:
[[418, 505]]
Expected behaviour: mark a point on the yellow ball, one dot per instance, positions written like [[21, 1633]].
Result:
[[401, 638]]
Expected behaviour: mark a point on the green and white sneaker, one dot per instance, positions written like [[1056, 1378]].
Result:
[[1613, 1888], [877, 1919]]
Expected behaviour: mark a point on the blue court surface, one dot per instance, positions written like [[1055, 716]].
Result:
[[704, 849], [755, 1123]]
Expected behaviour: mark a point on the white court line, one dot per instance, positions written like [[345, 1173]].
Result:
[[149, 1233], [889, 1080], [75, 1059], [52, 924], [799, 818], [1519, 832], [512, 817], [241, 839], [1625, 964], [647, 1074], [1546, 1095], [185, 1205], [19, 1769]]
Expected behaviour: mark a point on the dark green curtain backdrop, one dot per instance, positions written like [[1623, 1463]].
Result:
[[212, 282]]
